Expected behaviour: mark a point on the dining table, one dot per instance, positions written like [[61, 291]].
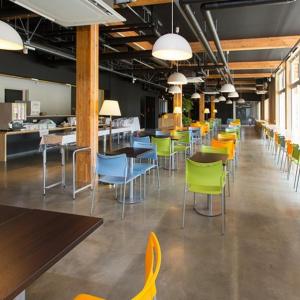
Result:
[[131, 153], [33, 240], [203, 157]]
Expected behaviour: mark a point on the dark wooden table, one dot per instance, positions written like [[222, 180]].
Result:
[[202, 157], [131, 152], [32, 240]]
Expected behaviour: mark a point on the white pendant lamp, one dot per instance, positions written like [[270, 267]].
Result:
[[241, 101], [222, 98], [227, 88], [177, 78], [174, 89], [195, 96], [216, 100], [228, 101], [233, 95], [9, 38], [172, 46]]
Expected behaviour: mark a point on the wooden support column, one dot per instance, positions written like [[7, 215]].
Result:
[[201, 108], [177, 102], [87, 87], [212, 107], [272, 102]]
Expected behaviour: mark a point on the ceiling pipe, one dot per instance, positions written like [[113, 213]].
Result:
[[241, 3], [72, 57], [198, 32]]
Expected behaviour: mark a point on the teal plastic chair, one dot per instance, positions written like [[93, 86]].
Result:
[[114, 170], [205, 178], [164, 149]]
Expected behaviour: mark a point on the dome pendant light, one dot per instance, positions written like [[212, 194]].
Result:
[[222, 98], [195, 96], [177, 78], [172, 46], [228, 101], [233, 95], [174, 89], [9, 38], [227, 88]]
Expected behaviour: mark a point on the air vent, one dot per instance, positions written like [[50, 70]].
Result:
[[73, 13]]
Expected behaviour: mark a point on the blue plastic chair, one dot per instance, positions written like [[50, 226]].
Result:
[[142, 139], [152, 163], [114, 170], [195, 136]]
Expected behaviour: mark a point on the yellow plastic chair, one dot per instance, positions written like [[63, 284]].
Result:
[[152, 267]]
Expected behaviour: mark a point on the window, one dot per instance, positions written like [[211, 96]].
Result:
[[282, 110], [296, 110], [281, 80], [295, 69], [266, 110]]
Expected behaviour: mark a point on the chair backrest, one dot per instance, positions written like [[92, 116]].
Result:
[[163, 145], [296, 151], [228, 144], [210, 149], [142, 139], [203, 175], [112, 165], [152, 267], [184, 136], [149, 155], [289, 147]]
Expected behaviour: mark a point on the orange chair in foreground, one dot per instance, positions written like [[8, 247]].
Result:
[[152, 267]]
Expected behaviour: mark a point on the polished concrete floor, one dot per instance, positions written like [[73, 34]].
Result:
[[258, 258]]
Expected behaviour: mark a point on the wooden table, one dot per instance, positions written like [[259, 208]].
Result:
[[202, 157], [131, 153], [32, 240]]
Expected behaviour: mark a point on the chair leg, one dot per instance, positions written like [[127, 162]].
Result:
[[123, 205], [194, 200], [145, 185], [228, 184], [158, 177], [183, 209], [170, 162], [94, 192], [296, 175], [223, 212]]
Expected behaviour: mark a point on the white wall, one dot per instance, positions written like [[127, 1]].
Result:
[[55, 98]]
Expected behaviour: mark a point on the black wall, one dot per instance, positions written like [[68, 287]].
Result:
[[34, 65]]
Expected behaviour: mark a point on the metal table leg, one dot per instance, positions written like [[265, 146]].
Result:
[[209, 211]]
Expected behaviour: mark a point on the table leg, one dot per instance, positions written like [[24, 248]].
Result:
[[104, 144], [209, 210], [131, 183]]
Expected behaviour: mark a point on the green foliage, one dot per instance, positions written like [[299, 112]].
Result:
[[187, 106]]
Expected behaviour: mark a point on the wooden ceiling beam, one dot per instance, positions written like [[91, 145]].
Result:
[[254, 65], [249, 44], [246, 75]]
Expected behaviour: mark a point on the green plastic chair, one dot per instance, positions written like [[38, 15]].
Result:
[[295, 159], [211, 149], [164, 149], [205, 178], [183, 145]]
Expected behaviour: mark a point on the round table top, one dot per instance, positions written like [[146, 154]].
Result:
[[202, 157]]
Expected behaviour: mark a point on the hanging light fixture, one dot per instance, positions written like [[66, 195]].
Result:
[[9, 38], [216, 100], [222, 98], [241, 101], [172, 46], [195, 96], [227, 88], [233, 95], [174, 89], [206, 111], [228, 101], [177, 78]]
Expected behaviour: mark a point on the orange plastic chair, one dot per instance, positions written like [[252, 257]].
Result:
[[229, 144], [152, 267]]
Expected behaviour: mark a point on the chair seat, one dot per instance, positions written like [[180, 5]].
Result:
[[143, 167], [87, 297], [165, 153], [181, 148]]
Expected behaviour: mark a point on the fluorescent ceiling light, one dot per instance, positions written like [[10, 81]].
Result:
[[177, 78], [9, 38], [210, 92], [195, 80]]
